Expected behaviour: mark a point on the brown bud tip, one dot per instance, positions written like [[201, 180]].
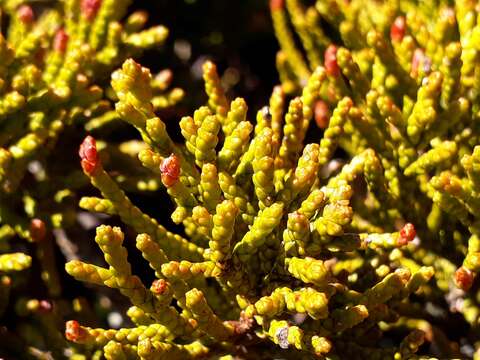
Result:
[[60, 41], [90, 8], [193, 323], [5, 281], [322, 114], [170, 168], [276, 5], [38, 230], [25, 14], [407, 234], [74, 332], [463, 278], [159, 286], [398, 29], [88, 154], [331, 65]]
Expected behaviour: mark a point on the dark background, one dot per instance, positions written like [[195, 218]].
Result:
[[237, 35]]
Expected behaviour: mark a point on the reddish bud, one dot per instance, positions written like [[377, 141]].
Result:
[[88, 154], [159, 286], [407, 234], [398, 29], [170, 168], [5, 281], [331, 65], [90, 8], [38, 230], [25, 14], [322, 114], [463, 278], [276, 5], [74, 332], [60, 41]]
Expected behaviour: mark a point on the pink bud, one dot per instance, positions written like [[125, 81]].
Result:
[[74, 332], [88, 153], [463, 278], [322, 114], [159, 286], [398, 29], [90, 8], [25, 14], [45, 306], [331, 65], [170, 169], [407, 234], [419, 58], [276, 5], [60, 41], [38, 229]]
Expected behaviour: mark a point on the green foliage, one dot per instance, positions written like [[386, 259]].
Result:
[[361, 243]]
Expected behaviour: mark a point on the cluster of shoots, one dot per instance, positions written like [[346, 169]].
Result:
[[273, 247], [356, 241]]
